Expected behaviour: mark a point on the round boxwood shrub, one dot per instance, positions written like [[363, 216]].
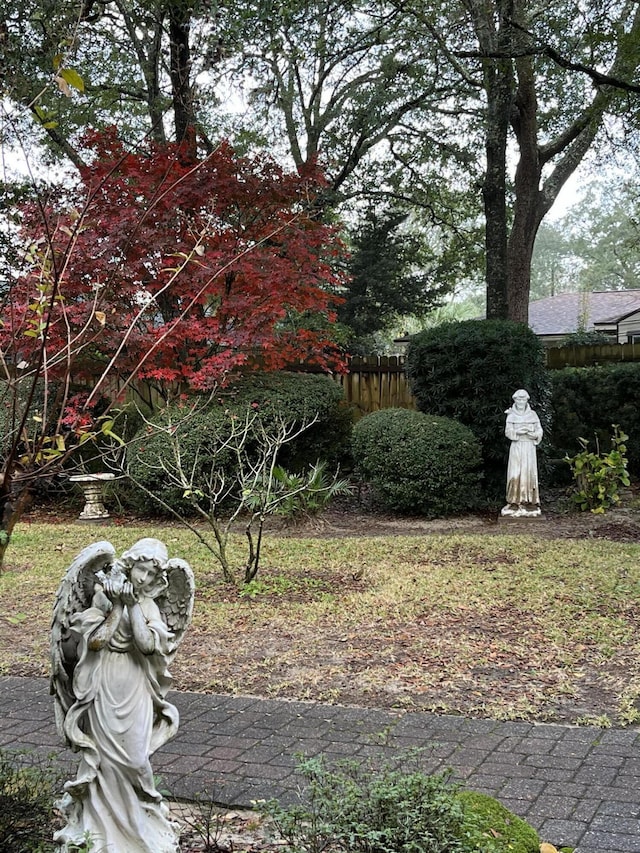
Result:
[[468, 371], [296, 397], [418, 463]]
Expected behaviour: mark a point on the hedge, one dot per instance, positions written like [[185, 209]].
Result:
[[297, 397], [417, 463], [469, 371]]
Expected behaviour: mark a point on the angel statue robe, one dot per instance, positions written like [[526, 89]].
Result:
[[120, 717]]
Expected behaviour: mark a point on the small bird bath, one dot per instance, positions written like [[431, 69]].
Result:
[[92, 486]]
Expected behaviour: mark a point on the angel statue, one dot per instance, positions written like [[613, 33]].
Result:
[[116, 626]]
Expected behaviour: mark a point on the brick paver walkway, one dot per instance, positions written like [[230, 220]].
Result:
[[577, 786]]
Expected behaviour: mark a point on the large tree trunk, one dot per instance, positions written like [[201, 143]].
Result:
[[528, 209], [533, 199], [180, 73], [494, 37], [495, 192], [146, 33]]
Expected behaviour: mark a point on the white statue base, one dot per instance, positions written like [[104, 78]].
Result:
[[514, 511]]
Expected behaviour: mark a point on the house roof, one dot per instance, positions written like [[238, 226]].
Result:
[[565, 313]]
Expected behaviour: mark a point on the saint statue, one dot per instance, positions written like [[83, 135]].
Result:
[[116, 626], [524, 431]]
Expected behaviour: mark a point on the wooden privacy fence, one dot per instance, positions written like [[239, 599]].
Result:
[[587, 356], [373, 383], [377, 382], [380, 382], [143, 393]]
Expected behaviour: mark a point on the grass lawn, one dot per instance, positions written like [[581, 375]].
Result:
[[505, 626]]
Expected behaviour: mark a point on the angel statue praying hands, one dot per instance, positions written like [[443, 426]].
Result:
[[116, 625]]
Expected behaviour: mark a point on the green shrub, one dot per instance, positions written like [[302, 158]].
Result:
[[297, 397], [150, 448], [468, 371], [306, 494], [28, 787], [598, 474], [587, 400], [349, 807], [586, 338], [417, 463], [358, 808]]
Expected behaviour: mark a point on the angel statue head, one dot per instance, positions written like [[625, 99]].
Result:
[[145, 564]]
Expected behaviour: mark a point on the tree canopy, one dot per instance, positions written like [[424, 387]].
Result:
[[134, 63], [595, 245], [461, 110], [174, 269], [393, 272]]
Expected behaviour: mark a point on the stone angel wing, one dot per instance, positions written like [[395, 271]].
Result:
[[74, 595], [176, 602]]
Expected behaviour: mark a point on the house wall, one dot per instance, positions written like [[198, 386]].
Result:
[[628, 325]]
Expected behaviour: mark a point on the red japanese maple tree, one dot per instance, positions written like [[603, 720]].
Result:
[[176, 270], [160, 267]]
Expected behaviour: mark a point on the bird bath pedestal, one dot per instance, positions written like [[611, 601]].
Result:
[[92, 485]]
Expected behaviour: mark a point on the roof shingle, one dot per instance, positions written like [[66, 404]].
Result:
[[565, 313]]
